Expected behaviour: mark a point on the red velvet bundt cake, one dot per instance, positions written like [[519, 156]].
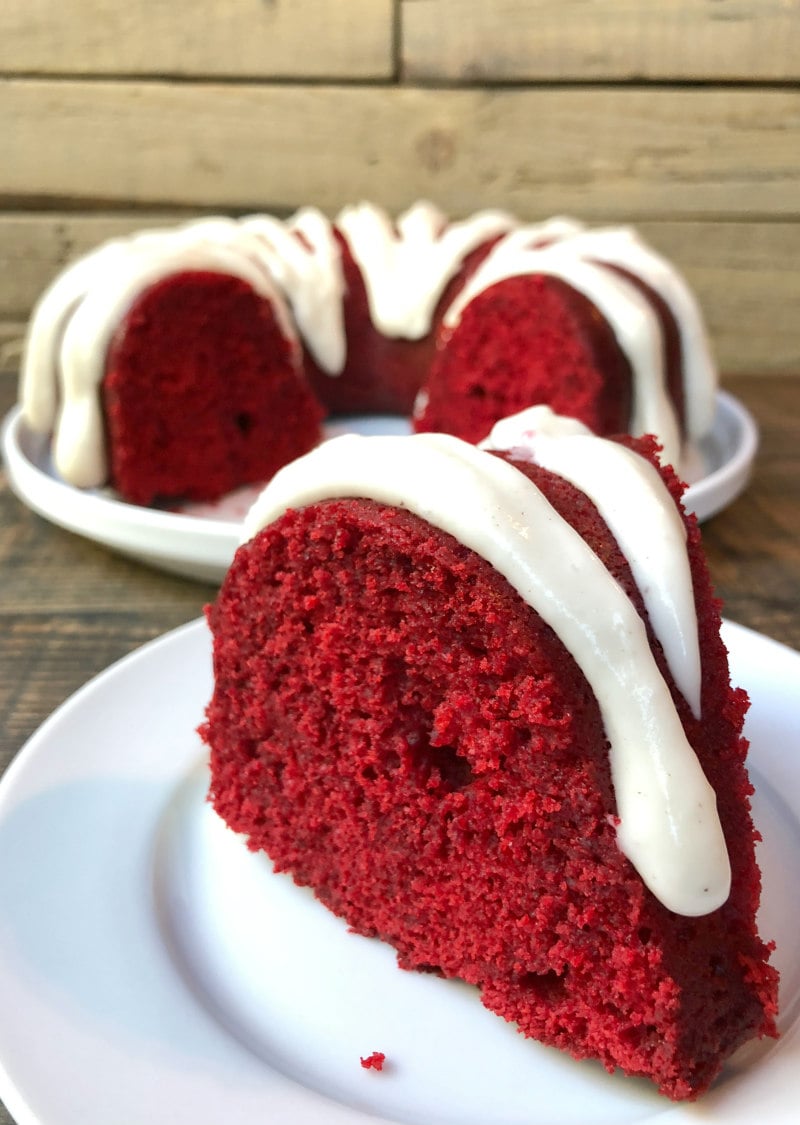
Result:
[[478, 701], [263, 325]]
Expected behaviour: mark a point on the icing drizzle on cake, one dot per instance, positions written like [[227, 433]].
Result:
[[622, 246], [72, 327], [296, 265], [407, 265], [303, 257], [634, 503], [668, 822]]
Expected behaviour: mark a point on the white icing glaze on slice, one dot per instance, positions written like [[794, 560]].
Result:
[[669, 827], [627, 311], [622, 246], [406, 265], [636, 505]]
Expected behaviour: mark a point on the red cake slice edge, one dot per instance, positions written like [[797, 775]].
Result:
[[203, 392], [523, 341], [393, 725]]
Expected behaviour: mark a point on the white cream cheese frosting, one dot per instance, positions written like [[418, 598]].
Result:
[[623, 247], [635, 504], [406, 265], [303, 257], [668, 823]]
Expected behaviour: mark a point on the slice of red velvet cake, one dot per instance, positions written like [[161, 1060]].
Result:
[[478, 701]]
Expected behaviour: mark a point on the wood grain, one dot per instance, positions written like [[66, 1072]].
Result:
[[464, 40], [646, 153], [221, 38], [618, 40]]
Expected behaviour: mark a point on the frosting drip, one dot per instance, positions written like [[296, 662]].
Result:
[[622, 246], [303, 257], [63, 371], [407, 265], [636, 505], [669, 827]]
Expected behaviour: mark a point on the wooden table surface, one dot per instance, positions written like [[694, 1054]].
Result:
[[69, 608]]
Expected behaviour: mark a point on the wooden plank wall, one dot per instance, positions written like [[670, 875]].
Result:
[[682, 117]]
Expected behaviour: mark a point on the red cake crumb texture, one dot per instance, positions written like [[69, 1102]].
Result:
[[528, 340], [231, 409], [398, 729], [178, 365], [374, 1061]]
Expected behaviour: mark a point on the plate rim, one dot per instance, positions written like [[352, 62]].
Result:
[[202, 549], [41, 744], [710, 495]]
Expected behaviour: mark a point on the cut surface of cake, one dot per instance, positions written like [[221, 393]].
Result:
[[478, 701], [231, 409], [593, 323], [461, 322]]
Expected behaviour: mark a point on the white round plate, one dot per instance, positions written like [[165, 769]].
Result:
[[199, 541], [153, 970]]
